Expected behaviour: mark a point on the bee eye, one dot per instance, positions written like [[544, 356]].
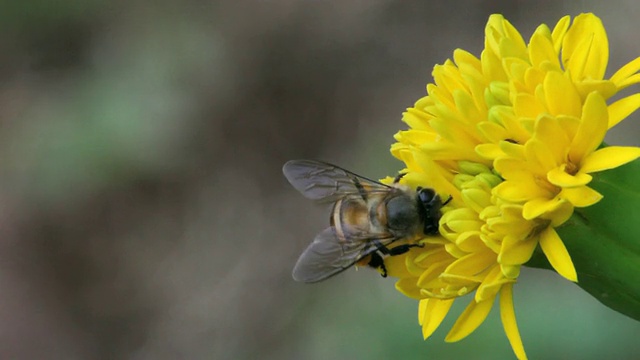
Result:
[[426, 195], [401, 213]]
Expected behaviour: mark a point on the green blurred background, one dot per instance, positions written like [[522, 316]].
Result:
[[142, 207]]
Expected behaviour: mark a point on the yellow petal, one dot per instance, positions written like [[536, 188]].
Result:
[[416, 119], [476, 199], [491, 63], [515, 227], [549, 131], [499, 93], [537, 207], [622, 108], [508, 317], [434, 312], [472, 264], [585, 50], [609, 158], [540, 157], [461, 226], [516, 68], [534, 77], [466, 61], [462, 281], [472, 168], [518, 191], [515, 151], [470, 241], [447, 150], [396, 266], [414, 269], [422, 310], [416, 137], [559, 31], [559, 177], [631, 80], [541, 50], [408, 288], [465, 104], [510, 271], [626, 71], [489, 151], [516, 251], [469, 320], [557, 254], [431, 274], [582, 196], [426, 257], [526, 105], [561, 214], [561, 96], [605, 87], [593, 127], [492, 131], [491, 284], [569, 125]]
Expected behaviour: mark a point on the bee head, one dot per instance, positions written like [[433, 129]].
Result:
[[429, 204]]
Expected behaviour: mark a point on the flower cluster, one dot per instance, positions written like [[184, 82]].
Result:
[[513, 137]]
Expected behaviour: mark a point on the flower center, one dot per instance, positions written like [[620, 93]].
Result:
[[545, 184], [571, 168]]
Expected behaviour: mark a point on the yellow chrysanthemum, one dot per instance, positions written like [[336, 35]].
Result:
[[513, 137]]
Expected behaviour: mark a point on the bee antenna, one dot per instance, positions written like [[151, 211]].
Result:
[[398, 177]]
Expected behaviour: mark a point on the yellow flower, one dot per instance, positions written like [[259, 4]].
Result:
[[513, 137]]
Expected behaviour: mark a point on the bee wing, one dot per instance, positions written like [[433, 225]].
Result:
[[328, 255], [326, 182]]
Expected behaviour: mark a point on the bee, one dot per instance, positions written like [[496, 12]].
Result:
[[366, 218]]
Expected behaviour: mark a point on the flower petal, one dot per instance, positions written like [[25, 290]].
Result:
[[541, 49], [516, 251], [622, 108], [585, 50], [557, 254], [559, 177], [626, 71], [476, 199], [510, 271], [491, 284], [472, 264], [582, 196], [561, 95], [537, 207], [508, 317], [539, 156], [609, 158], [489, 151], [594, 124], [559, 31], [631, 80], [469, 320], [518, 191], [409, 288], [549, 131], [434, 311]]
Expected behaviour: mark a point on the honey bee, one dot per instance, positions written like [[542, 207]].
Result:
[[367, 217]]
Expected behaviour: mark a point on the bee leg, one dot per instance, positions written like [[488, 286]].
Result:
[[448, 200], [398, 177], [377, 262], [401, 249], [397, 250]]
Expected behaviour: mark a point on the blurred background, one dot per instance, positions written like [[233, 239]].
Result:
[[143, 212]]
